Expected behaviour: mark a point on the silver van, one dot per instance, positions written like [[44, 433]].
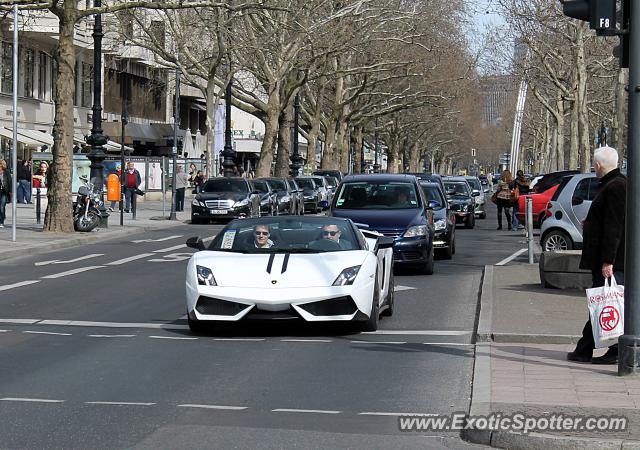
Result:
[[567, 210]]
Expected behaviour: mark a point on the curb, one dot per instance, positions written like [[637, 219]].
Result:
[[60, 244]]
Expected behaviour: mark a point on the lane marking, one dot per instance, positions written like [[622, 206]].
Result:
[[419, 332], [170, 249], [57, 261], [403, 288], [231, 408], [371, 413], [511, 258], [121, 403], [316, 411], [4, 331], [19, 284], [129, 259], [378, 342], [82, 323], [32, 400], [72, 272], [20, 321], [174, 338], [306, 340], [112, 335], [240, 339], [448, 344], [168, 238], [48, 332]]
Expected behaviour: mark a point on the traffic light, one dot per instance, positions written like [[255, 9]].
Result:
[[601, 14], [621, 51]]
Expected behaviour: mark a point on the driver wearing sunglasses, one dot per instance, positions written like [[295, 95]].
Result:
[[261, 234]]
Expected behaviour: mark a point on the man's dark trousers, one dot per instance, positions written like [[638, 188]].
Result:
[[587, 344]]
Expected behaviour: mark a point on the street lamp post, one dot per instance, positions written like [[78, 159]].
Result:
[[376, 166], [296, 159], [97, 140], [228, 153], [174, 149]]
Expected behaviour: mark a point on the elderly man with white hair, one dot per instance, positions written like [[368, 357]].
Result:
[[603, 243]]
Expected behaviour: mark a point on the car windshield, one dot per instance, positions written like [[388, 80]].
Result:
[[287, 235], [225, 185], [261, 186], [331, 181], [377, 195], [320, 182], [457, 188], [432, 193], [305, 183], [475, 184], [277, 184]]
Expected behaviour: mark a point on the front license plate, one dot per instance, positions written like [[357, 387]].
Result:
[[217, 211]]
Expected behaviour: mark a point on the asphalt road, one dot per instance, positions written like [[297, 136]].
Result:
[[95, 353]]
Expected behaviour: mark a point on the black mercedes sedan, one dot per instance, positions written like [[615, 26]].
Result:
[[225, 198]]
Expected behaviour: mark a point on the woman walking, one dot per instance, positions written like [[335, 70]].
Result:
[[503, 195], [5, 190]]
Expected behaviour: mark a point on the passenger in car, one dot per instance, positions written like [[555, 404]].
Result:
[[261, 235]]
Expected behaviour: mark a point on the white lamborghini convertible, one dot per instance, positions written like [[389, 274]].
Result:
[[314, 268]]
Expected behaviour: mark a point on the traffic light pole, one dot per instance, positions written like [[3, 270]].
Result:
[[629, 343]]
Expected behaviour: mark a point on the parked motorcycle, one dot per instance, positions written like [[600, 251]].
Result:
[[86, 209]]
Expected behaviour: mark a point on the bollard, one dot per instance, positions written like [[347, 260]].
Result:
[[38, 206], [134, 201], [529, 216]]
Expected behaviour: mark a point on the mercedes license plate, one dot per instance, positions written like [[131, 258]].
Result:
[[217, 211]]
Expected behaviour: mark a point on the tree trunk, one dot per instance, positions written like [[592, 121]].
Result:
[[58, 217], [414, 158], [574, 136], [284, 141], [583, 110], [328, 155], [212, 100], [393, 157], [270, 135], [619, 118], [343, 145], [358, 141], [560, 133]]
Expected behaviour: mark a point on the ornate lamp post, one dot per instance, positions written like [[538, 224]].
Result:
[[376, 166], [296, 159], [97, 140], [228, 153]]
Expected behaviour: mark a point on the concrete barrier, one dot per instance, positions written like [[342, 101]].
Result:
[[561, 270]]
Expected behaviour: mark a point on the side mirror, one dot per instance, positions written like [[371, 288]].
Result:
[[195, 242], [575, 201], [433, 204], [383, 242]]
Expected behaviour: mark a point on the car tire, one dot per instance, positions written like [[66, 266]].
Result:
[[195, 221], [483, 215], [470, 222], [196, 326], [453, 244], [448, 252], [556, 240], [371, 324], [427, 269], [390, 297]]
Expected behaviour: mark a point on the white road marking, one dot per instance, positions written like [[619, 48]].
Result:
[[57, 261], [419, 332], [82, 323], [47, 332], [72, 272], [232, 408], [512, 257], [306, 340], [4, 331], [33, 400], [168, 238], [20, 321], [170, 249], [173, 257], [370, 413], [403, 288], [175, 338], [448, 344], [120, 403], [112, 335], [240, 339], [378, 342], [6, 287], [129, 259], [317, 411]]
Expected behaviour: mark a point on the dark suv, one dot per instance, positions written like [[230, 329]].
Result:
[[225, 198], [395, 206]]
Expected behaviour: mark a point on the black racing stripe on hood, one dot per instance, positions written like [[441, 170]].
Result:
[[270, 263], [285, 263]]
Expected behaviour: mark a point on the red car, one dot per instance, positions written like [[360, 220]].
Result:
[[539, 205]]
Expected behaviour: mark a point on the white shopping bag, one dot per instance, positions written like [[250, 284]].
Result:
[[606, 309]]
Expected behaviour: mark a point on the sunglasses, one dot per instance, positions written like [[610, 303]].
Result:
[[332, 233], [262, 233]]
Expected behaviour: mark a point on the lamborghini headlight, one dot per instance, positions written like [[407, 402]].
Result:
[[347, 277], [415, 231], [205, 276], [440, 224]]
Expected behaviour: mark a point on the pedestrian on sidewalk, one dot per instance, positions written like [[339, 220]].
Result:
[[117, 172], [503, 195], [182, 183], [23, 192], [197, 181], [522, 184], [132, 180], [603, 243], [5, 190]]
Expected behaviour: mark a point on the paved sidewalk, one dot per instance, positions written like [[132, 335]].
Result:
[[31, 238], [524, 334]]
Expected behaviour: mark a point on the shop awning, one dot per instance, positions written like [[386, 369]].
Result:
[[247, 145], [111, 147], [43, 138], [132, 132], [6, 133]]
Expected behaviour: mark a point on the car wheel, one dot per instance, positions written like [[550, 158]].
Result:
[[556, 240], [372, 322], [453, 244], [196, 326], [448, 252], [195, 221], [470, 222], [301, 211], [427, 269], [483, 215], [390, 297]]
